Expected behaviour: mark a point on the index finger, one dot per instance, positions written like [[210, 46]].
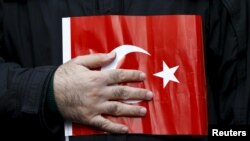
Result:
[[123, 75]]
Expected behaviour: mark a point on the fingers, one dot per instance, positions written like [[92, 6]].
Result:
[[106, 125], [127, 93], [120, 109], [94, 60], [121, 75]]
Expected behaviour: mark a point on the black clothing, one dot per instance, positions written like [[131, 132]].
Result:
[[31, 50]]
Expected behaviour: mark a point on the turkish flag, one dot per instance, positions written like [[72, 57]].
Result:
[[169, 49]]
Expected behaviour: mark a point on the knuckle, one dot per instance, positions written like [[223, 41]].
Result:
[[134, 111], [94, 93], [135, 75], [114, 76], [104, 125], [96, 78], [141, 94], [120, 93], [105, 76], [114, 109], [131, 111], [122, 75]]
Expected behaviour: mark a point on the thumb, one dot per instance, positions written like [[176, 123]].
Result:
[[95, 60]]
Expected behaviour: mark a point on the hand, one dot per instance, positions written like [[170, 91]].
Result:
[[83, 95]]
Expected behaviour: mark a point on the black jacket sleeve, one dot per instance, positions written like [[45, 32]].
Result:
[[22, 91], [22, 96]]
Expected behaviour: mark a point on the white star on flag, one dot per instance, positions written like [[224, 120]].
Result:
[[167, 74]]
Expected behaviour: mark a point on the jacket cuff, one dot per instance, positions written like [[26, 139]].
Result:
[[50, 99], [51, 117], [33, 84]]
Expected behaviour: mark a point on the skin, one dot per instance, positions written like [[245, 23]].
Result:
[[83, 94]]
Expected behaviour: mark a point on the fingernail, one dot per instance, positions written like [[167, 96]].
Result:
[[149, 95], [142, 76], [124, 129], [143, 111], [111, 55]]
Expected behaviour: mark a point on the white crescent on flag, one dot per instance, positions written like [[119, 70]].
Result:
[[122, 51]]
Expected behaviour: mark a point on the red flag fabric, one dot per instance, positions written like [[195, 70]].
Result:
[[169, 49]]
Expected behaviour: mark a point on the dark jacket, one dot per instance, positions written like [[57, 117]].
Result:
[[31, 50]]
